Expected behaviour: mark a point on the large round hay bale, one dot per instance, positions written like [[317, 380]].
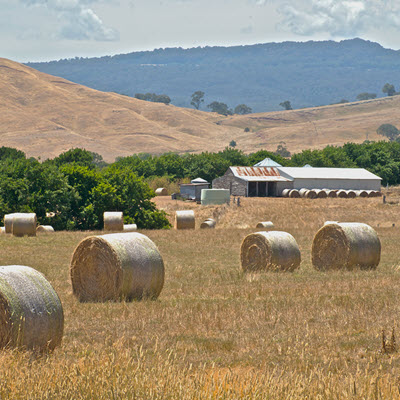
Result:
[[351, 194], [8, 220], [346, 246], [294, 194], [269, 251], [362, 193], [184, 219], [303, 192], [161, 192], [342, 194], [370, 193], [130, 227], [113, 221], [269, 225], [321, 194], [209, 223], [331, 194], [44, 229], [117, 266], [31, 313], [285, 192], [311, 194], [24, 224], [377, 193]]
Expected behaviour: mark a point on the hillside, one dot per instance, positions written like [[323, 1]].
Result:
[[44, 115], [262, 76]]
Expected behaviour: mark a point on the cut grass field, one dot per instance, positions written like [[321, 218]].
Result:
[[214, 332]]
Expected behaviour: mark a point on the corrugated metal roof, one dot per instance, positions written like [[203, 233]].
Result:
[[267, 162], [267, 174], [327, 173]]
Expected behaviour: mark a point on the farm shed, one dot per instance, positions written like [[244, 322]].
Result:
[[193, 189], [253, 181], [331, 178]]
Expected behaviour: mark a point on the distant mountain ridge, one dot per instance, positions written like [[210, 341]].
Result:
[[262, 76]]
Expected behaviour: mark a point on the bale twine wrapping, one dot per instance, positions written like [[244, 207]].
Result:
[[321, 194], [294, 194], [31, 313], [8, 219], [113, 221], [332, 194], [269, 225], [303, 192], [346, 246], [269, 251], [342, 194], [209, 223], [184, 219], [161, 192], [351, 194], [285, 192], [45, 228], [117, 266], [130, 228], [24, 224]]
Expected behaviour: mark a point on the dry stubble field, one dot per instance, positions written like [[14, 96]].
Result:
[[215, 333]]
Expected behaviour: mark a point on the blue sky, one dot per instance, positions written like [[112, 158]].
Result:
[[42, 30]]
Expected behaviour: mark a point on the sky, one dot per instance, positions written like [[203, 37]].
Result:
[[44, 30]]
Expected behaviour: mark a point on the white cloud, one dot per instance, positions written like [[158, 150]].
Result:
[[77, 20], [338, 17]]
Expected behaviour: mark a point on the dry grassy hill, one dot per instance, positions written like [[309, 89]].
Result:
[[45, 115]]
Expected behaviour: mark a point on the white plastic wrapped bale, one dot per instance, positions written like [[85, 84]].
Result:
[[303, 192], [209, 223], [268, 225], [117, 266], [215, 196], [269, 251], [24, 224], [31, 313], [285, 192], [294, 194], [113, 221], [161, 192]]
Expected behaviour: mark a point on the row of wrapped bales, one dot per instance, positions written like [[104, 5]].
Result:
[[336, 246], [331, 193]]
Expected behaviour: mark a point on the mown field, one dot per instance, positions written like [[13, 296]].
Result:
[[214, 332]]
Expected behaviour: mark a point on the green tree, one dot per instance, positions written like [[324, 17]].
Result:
[[242, 109], [286, 105], [282, 150], [389, 131], [389, 89], [197, 99], [366, 96], [232, 143], [220, 108]]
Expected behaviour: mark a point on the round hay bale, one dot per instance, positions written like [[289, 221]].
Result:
[[342, 194], [346, 246], [117, 266], [269, 251], [24, 224], [8, 219], [44, 228], [370, 193], [285, 192], [208, 223], [321, 194], [332, 194], [361, 193], [294, 194], [351, 194], [303, 192], [113, 221], [311, 194], [31, 313], [130, 227], [161, 192], [184, 219], [265, 225], [377, 193]]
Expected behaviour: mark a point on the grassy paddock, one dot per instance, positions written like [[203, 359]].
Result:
[[216, 333]]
